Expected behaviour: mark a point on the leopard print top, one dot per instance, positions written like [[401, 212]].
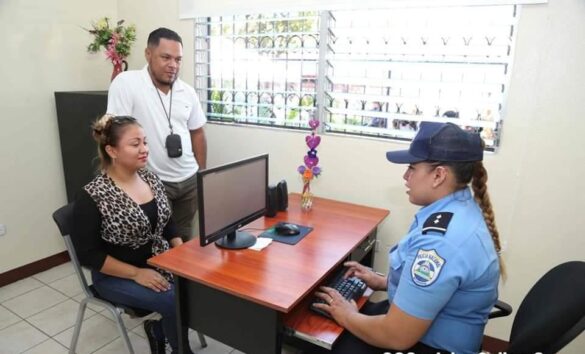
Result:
[[124, 223]]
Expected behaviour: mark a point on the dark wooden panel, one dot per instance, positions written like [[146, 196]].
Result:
[[75, 113], [33, 268], [241, 324]]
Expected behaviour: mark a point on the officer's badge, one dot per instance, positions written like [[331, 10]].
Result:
[[426, 267], [437, 222]]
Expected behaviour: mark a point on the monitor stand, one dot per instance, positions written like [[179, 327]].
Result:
[[236, 240]]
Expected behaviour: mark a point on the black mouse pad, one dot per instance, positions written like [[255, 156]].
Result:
[[291, 240]]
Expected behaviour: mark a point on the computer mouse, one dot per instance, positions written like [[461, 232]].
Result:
[[285, 229]]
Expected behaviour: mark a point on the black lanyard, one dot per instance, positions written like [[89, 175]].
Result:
[[163, 106]]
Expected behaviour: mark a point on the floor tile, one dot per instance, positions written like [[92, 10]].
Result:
[[58, 318], [55, 273], [139, 344], [129, 322], [139, 330], [18, 288], [49, 346], [213, 346], [68, 285], [7, 318], [96, 332], [20, 337], [34, 301], [94, 307]]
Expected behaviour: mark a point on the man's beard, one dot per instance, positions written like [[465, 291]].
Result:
[[166, 82]]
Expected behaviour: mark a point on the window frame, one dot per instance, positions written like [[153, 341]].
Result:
[[322, 108]]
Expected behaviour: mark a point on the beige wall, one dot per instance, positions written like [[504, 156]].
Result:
[[151, 14], [43, 51], [534, 177]]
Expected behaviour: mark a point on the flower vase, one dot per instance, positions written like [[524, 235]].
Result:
[[306, 196], [119, 66]]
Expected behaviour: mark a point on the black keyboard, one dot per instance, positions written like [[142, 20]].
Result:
[[350, 288]]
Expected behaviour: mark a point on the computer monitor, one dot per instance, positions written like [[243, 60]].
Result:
[[230, 196]]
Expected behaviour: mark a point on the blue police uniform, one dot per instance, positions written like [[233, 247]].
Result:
[[446, 270]]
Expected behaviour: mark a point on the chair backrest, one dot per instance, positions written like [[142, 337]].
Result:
[[553, 312], [64, 219]]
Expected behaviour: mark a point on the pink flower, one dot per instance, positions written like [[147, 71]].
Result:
[[111, 52]]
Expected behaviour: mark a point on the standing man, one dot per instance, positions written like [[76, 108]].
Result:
[[172, 118]]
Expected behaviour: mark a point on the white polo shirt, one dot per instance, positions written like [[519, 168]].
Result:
[[133, 93]]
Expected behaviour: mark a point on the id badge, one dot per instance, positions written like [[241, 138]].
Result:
[[174, 146]]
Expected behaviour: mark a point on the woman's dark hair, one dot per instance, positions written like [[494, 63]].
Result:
[[107, 130]]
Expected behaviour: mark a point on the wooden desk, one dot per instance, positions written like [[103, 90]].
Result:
[[243, 297]]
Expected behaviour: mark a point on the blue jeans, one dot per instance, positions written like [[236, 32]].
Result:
[[128, 292]]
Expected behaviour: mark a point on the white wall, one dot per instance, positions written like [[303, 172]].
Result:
[[43, 51], [149, 15], [534, 178]]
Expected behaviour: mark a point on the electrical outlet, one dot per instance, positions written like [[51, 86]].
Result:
[[2, 229]]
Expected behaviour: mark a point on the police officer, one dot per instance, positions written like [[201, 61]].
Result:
[[443, 275]]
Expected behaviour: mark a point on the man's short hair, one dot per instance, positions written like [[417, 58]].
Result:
[[155, 36]]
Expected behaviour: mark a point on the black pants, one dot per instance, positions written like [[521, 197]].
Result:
[[350, 344]]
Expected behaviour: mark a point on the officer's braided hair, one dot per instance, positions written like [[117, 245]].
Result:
[[475, 172], [479, 186]]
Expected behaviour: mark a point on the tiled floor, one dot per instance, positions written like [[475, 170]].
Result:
[[37, 315]]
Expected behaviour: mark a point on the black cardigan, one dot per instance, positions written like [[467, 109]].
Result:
[[92, 249]]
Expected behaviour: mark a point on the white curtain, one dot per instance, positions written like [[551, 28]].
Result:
[[202, 8]]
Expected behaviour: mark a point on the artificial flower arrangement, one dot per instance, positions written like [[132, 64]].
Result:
[[116, 41], [310, 169]]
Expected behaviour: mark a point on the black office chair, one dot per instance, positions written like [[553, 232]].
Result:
[[501, 309], [64, 219], [552, 314]]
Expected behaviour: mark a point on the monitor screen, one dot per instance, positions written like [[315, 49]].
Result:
[[230, 196]]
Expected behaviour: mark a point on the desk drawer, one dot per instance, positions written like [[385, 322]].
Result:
[[364, 252]]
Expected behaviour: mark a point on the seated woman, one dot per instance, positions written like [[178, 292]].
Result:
[[122, 218], [443, 275]]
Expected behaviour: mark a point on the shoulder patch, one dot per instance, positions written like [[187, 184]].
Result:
[[426, 267], [437, 222]]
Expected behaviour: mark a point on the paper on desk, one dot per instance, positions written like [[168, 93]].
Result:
[[261, 242]]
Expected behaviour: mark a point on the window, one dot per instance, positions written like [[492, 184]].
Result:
[[369, 72], [259, 69]]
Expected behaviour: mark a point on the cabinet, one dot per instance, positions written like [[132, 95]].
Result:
[[76, 111]]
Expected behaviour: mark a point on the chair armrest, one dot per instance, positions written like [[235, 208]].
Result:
[[501, 309]]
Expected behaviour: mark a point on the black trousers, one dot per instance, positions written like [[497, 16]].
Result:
[[350, 344]]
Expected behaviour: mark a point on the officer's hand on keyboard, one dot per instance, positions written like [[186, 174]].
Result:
[[367, 275], [332, 304], [339, 294]]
